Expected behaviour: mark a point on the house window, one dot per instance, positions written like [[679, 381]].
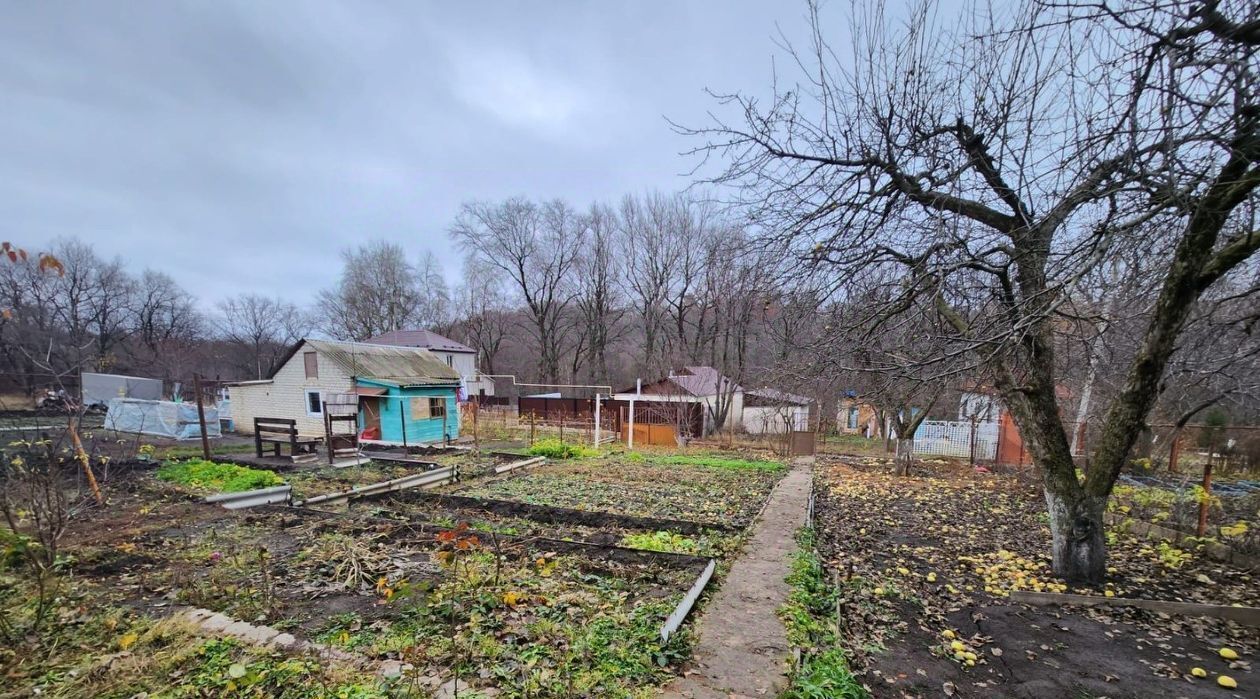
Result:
[[425, 408], [314, 404], [853, 418], [450, 360], [312, 364]]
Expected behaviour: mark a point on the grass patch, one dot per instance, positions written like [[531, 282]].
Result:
[[201, 475], [710, 460], [540, 627], [556, 449], [809, 617]]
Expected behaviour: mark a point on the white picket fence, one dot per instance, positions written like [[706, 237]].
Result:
[[950, 438]]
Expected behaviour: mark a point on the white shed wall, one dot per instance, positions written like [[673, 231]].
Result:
[[772, 420], [285, 395]]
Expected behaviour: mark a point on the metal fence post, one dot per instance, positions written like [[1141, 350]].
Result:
[[402, 420]]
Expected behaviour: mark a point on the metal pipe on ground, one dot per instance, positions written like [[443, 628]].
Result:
[[680, 612], [428, 478], [252, 498], [519, 464]]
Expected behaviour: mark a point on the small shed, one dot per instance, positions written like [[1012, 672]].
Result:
[[701, 385], [771, 411], [395, 411]]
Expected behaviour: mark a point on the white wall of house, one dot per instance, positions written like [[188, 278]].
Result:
[[774, 420], [466, 364], [980, 406], [289, 394]]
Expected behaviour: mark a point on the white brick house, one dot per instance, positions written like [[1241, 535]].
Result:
[[290, 393]]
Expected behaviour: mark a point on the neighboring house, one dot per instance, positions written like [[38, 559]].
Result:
[[694, 384], [979, 404], [856, 416], [771, 411], [399, 393], [456, 355]]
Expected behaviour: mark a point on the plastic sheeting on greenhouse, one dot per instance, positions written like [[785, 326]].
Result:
[[161, 418]]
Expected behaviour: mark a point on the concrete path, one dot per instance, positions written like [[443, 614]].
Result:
[[743, 651]]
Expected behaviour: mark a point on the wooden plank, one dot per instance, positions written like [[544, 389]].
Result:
[[1248, 616]]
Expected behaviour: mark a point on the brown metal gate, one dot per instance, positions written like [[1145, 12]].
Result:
[[802, 443]]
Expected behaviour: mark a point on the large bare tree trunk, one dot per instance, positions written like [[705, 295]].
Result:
[[1079, 547], [905, 455]]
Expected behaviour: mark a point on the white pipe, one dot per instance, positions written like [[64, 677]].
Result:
[[596, 420], [541, 385], [630, 441]]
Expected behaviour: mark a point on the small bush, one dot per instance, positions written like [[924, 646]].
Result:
[[556, 449], [220, 478]]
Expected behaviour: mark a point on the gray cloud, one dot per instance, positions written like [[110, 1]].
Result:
[[241, 145]]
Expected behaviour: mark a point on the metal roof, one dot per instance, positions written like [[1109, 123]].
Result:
[[406, 365], [421, 338], [775, 396], [697, 381], [704, 381]]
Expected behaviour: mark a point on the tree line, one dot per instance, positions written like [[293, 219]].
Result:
[[546, 292]]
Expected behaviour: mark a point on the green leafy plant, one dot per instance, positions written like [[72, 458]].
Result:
[[202, 475], [670, 542], [556, 449]]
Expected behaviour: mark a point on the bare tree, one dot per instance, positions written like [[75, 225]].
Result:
[[487, 315], [646, 251], [597, 290], [165, 322], [378, 292], [433, 308], [537, 248], [263, 327], [995, 164]]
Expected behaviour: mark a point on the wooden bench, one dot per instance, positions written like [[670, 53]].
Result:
[[278, 432]]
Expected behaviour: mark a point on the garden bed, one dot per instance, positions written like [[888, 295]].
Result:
[[525, 599], [710, 490]]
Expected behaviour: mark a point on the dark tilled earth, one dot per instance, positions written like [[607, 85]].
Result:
[[911, 548]]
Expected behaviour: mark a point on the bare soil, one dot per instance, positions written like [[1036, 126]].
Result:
[[939, 551]]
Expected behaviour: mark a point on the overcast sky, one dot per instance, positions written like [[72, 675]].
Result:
[[241, 145]]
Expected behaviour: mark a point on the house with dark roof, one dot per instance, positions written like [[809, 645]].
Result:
[[457, 355], [400, 394]]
